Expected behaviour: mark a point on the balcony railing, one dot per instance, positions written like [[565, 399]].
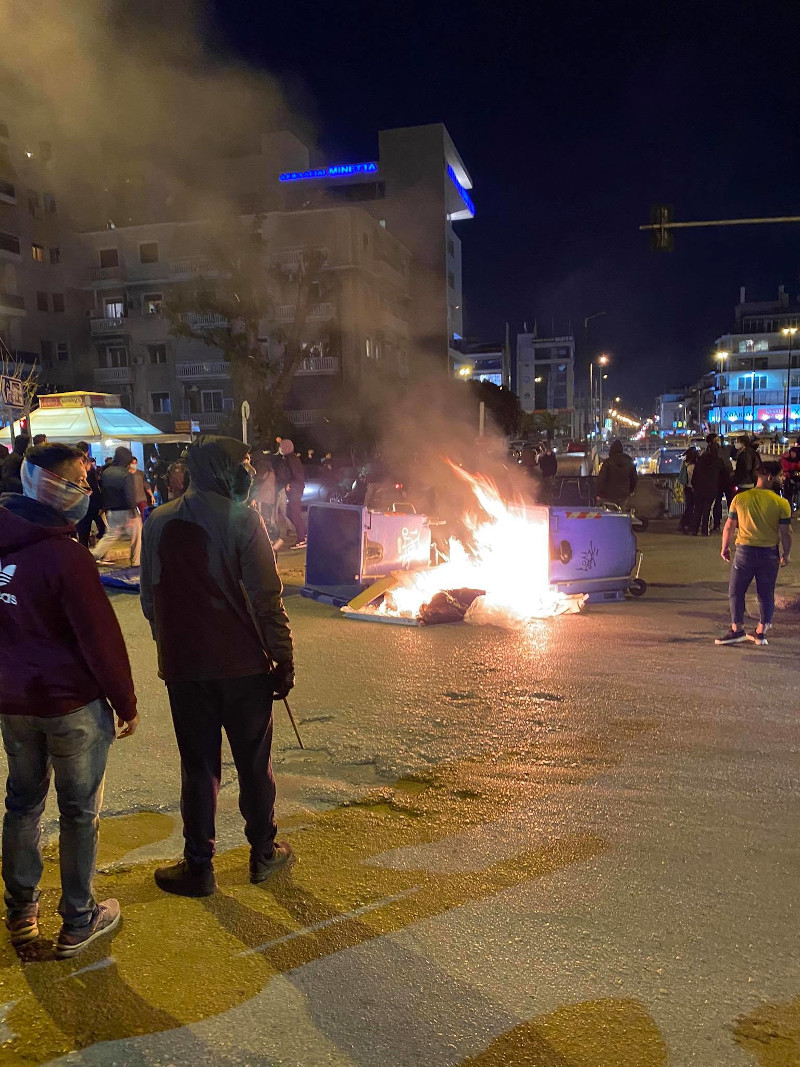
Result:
[[113, 374], [286, 312], [306, 417], [9, 243], [102, 327], [12, 302], [195, 371], [193, 265], [209, 420], [318, 365], [107, 274], [203, 321]]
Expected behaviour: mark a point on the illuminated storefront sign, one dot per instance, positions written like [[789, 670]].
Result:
[[462, 192], [338, 170], [746, 415]]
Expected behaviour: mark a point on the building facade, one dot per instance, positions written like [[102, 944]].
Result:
[[543, 375]]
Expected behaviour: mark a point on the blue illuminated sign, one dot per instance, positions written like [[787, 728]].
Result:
[[338, 170], [462, 192]]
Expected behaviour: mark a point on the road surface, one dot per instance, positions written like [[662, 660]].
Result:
[[575, 845]]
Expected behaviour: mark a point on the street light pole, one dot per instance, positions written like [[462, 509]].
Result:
[[788, 331], [602, 361], [720, 357], [586, 321]]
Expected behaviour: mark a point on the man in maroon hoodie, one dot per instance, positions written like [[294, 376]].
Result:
[[63, 666]]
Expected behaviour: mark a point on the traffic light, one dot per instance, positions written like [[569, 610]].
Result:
[[661, 239]]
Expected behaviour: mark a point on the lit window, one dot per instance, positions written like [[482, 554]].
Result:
[[152, 303], [160, 403], [37, 252]]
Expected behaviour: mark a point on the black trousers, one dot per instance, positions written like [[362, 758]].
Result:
[[242, 707], [688, 508], [703, 503], [84, 527]]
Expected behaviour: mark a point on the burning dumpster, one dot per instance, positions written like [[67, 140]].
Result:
[[349, 546], [593, 551]]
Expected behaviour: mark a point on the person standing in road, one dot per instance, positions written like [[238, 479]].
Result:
[[10, 482], [760, 521], [747, 459], [63, 666], [685, 481], [142, 492], [118, 494], [295, 484], [726, 489], [95, 513], [617, 478], [711, 473], [211, 592], [790, 465]]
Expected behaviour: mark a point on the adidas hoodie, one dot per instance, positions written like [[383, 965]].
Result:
[[61, 646]]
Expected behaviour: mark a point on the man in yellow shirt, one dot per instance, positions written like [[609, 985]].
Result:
[[760, 521]]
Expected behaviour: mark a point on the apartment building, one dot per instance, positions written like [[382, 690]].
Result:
[[543, 374]]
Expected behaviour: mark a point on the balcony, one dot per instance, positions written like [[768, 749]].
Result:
[[105, 327], [318, 365], [113, 375], [209, 420], [8, 194], [108, 274], [202, 321], [192, 266], [12, 304], [306, 417], [192, 372], [9, 247], [286, 312]]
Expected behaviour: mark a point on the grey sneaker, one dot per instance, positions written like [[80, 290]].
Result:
[[282, 856], [106, 918], [24, 928]]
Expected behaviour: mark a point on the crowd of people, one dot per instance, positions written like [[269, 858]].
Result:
[[65, 673]]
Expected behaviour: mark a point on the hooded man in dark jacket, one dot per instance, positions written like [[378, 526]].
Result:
[[617, 478], [211, 591], [63, 665], [710, 477], [745, 463], [11, 481]]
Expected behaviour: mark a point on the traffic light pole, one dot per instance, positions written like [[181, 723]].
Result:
[[662, 225]]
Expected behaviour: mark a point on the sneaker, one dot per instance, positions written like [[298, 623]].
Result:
[[756, 638], [300, 544], [71, 942], [732, 637], [24, 929], [186, 880], [282, 856]]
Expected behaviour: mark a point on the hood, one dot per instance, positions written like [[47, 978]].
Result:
[[24, 521], [212, 464], [619, 459]]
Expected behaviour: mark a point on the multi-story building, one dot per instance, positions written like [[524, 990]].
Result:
[[543, 374], [485, 362], [753, 388]]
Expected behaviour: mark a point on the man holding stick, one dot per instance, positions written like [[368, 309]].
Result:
[[211, 592]]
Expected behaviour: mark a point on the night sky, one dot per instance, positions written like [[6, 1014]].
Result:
[[572, 119]]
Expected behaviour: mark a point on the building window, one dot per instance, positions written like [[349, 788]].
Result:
[[160, 403], [46, 348], [148, 252], [9, 243], [451, 279], [152, 303], [761, 346], [55, 255], [368, 348], [158, 353], [49, 202], [33, 205], [116, 356], [62, 351], [109, 257], [451, 246], [114, 309], [37, 253], [41, 302], [211, 400], [58, 301]]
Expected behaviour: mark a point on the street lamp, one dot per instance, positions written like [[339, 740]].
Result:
[[720, 356], [602, 361], [788, 331]]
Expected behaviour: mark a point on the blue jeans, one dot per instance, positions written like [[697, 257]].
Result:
[[75, 747], [762, 564]]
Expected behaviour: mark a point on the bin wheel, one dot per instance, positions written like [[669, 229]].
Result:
[[643, 523], [638, 587]]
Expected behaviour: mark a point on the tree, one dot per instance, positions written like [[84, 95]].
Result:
[[501, 404], [228, 312], [549, 423]]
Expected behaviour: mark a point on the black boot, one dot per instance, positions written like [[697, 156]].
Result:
[[186, 880]]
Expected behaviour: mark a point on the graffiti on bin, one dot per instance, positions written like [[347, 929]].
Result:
[[589, 557]]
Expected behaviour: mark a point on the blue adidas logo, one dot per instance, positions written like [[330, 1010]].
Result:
[[7, 573]]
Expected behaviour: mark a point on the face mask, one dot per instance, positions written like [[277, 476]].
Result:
[[70, 499], [242, 482]]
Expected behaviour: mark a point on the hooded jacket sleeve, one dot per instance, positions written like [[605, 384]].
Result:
[[98, 632], [263, 587]]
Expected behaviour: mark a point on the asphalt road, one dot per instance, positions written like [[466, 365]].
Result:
[[569, 847]]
